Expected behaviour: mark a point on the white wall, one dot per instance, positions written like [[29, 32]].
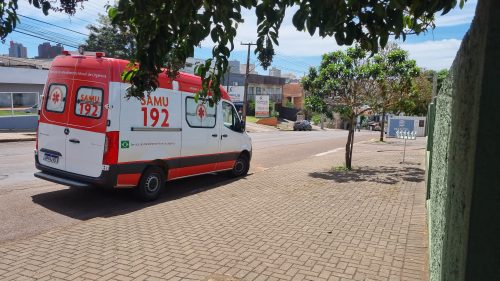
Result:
[[15, 75]]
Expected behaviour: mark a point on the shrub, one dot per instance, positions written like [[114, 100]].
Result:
[[316, 119]]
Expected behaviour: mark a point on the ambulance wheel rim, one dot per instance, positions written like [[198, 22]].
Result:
[[152, 183], [239, 166]]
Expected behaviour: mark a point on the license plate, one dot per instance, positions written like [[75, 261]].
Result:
[[51, 158]]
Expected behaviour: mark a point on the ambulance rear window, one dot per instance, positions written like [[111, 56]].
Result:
[[56, 99], [88, 102]]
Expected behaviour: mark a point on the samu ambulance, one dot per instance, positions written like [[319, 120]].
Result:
[[90, 134]]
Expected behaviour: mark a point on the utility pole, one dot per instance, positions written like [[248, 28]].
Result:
[[245, 93], [228, 75]]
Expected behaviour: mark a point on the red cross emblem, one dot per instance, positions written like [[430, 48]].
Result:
[[201, 111], [56, 95]]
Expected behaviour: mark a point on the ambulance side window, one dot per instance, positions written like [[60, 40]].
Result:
[[229, 116], [88, 102], [56, 98], [201, 114]]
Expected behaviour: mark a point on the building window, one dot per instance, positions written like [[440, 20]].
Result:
[[257, 90]]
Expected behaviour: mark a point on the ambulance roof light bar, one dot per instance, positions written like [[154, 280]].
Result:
[[78, 54]]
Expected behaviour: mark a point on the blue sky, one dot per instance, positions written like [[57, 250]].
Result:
[[297, 51]]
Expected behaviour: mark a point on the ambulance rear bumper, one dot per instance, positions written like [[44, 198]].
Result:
[[60, 180], [106, 179]]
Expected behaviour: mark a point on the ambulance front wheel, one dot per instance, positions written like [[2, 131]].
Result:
[[151, 183], [240, 167]]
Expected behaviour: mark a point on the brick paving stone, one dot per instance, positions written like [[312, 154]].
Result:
[[298, 221]]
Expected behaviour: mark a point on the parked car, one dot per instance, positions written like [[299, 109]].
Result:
[[303, 125], [32, 109]]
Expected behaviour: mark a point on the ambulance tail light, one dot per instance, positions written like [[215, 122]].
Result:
[[111, 148], [36, 143]]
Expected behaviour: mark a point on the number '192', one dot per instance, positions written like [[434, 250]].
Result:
[[154, 115]]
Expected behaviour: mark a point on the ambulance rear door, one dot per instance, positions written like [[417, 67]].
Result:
[[87, 115]]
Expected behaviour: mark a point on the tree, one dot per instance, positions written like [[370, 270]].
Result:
[[420, 96], [441, 75], [105, 37], [314, 104], [343, 81], [394, 73], [166, 32]]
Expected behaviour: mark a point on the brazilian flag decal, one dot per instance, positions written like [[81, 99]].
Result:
[[125, 144]]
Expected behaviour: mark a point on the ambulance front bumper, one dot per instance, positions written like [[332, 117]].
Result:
[[106, 179]]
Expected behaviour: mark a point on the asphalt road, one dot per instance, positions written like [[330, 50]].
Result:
[[29, 206]]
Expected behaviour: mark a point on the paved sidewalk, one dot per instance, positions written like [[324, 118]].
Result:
[[7, 136], [257, 128], [298, 221]]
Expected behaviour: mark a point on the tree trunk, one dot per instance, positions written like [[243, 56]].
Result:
[[382, 126], [349, 145]]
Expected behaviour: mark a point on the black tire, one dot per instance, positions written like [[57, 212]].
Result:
[[150, 186], [240, 168]]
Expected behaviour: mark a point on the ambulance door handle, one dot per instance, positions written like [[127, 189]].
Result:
[[223, 136], [74, 140], [214, 135]]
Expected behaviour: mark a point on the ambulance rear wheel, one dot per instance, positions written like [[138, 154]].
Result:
[[151, 183], [240, 167]]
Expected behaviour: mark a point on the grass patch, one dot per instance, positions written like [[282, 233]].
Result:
[[16, 112], [252, 119], [341, 168]]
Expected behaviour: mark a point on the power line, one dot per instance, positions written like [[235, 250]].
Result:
[[47, 33], [53, 25], [51, 40], [279, 57], [295, 59], [51, 35]]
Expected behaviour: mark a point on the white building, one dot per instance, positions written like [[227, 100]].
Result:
[[22, 81], [251, 70], [190, 65], [276, 72]]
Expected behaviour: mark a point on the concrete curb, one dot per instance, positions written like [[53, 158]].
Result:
[[18, 139]]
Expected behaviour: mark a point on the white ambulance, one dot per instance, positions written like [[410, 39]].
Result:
[[90, 134]]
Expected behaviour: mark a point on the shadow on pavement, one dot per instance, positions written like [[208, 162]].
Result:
[[381, 174], [88, 203]]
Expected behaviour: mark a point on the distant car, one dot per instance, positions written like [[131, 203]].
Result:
[[303, 125], [32, 109]]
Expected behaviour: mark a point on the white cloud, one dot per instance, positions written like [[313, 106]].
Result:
[[291, 41], [458, 16], [433, 54], [430, 54], [78, 22]]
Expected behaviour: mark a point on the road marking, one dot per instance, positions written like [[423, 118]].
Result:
[[328, 152], [336, 149]]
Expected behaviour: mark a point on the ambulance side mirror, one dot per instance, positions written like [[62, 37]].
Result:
[[241, 126]]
